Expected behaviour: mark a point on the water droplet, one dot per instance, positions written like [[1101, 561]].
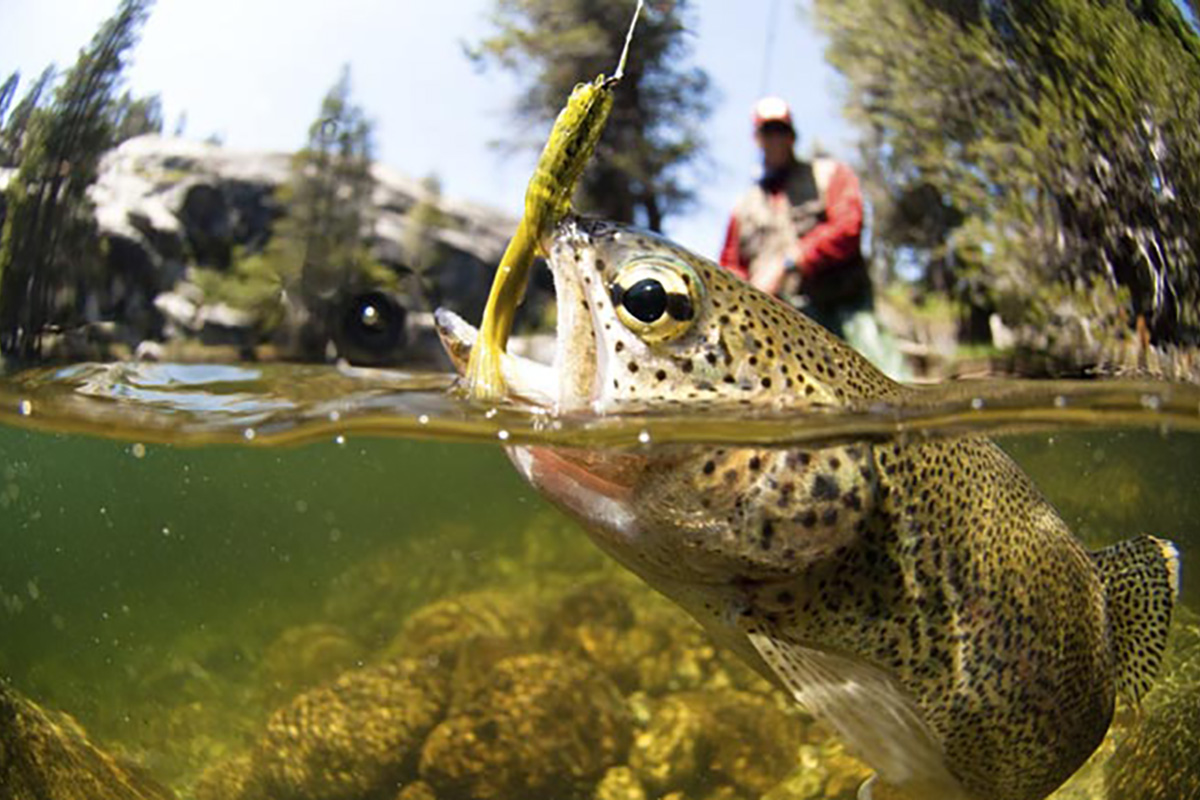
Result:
[[644, 437], [248, 434], [138, 450], [502, 435], [25, 408], [977, 403]]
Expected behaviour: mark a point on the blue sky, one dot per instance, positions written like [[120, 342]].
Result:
[[254, 72]]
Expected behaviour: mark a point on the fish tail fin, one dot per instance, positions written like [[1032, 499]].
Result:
[[1141, 581]]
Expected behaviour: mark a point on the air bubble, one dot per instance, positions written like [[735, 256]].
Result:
[[339, 440], [502, 435], [644, 437], [334, 416], [1060, 402], [1151, 402], [138, 450], [248, 434], [25, 408], [977, 403], [423, 419]]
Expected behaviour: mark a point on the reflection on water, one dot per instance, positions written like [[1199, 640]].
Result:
[[389, 605]]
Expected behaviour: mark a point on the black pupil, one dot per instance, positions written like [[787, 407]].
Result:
[[646, 300]]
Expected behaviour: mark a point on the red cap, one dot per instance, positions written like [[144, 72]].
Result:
[[772, 109]]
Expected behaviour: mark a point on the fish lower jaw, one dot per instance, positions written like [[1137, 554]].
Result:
[[526, 379]]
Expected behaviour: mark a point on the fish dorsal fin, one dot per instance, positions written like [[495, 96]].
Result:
[[875, 717], [1141, 581]]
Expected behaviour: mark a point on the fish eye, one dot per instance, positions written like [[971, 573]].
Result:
[[646, 300], [656, 298]]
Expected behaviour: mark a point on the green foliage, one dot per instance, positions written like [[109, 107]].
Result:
[[252, 284], [1028, 151], [50, 252], [318, 253], [643, 163], [14, 125], [135, 116]]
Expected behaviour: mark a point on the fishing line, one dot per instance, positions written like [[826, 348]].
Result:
[[620, 73], [768, 48]]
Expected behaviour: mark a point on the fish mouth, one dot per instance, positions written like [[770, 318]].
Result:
[[572, 381]]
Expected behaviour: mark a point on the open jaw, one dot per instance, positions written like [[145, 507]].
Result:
[[572, 381]]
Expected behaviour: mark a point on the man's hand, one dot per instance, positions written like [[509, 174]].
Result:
[[769, 277]]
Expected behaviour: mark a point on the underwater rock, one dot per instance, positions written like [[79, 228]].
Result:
[[666, 755], [643, 642], [306, 655], [443, 629], [823, 771], [620, 783], [371, 598], [723, 737], [1158, 759], [48, 755], [351, 738], [417, 790], [538, 725], [227, 780]]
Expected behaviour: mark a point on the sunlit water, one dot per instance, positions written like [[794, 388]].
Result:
[[187, 548]]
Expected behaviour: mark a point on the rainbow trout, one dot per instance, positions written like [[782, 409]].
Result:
[[922, 598]]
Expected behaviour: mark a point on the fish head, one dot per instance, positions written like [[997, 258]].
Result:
[[644, 325]]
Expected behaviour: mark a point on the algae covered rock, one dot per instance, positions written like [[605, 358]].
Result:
[[823, 771], [306, 655], [47, 755], [490, 620], [723, 738], [351, 738], [226, 780], [417, 790], [539, 725], [1156, 759], [620, 783]]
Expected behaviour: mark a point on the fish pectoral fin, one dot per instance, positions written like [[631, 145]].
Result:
[[868, 709], [1141, 581]]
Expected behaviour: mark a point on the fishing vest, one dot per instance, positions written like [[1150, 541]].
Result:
[[770, 222]]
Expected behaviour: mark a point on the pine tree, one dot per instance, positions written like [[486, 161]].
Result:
[[50, 246], [319, 252], [7, 91], [13, 127], [640, 172], [135, 116], [1035, 155]]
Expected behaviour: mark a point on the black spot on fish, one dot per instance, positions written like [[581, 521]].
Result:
[[768, 533], [825, 487]]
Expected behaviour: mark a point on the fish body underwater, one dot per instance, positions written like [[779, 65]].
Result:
[[922, 598]]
